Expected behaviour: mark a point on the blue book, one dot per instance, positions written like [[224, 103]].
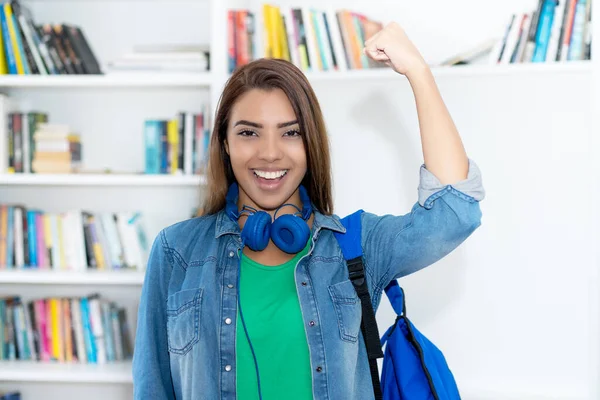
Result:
[[26, 69], [88, 336], [10, 55], [164, 154], [32, 238], [544, 30], [576, 45], [152, 144], [10, 396]]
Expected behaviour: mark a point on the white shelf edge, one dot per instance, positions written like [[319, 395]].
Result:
[[52, 277], [102, 179], [520, 68], [149, 80], [33, 371], [456, 71], [143, 79]]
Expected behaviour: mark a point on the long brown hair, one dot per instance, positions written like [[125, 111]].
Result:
[[269, 74]]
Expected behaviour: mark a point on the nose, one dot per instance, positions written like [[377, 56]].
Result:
[[270, 148]]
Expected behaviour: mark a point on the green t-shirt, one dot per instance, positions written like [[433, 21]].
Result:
[[275, 326]]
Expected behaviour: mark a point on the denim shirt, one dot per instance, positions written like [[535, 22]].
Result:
[[186, 330]]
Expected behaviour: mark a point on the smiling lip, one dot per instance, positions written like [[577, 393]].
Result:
[[269, 184]]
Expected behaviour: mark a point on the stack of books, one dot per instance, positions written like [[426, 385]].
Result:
[[57, 149], [157, 59], [28, 48], [311, 38]]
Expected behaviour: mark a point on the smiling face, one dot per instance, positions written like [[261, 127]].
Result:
[[267, 153]]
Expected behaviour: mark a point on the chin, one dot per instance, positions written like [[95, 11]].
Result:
[[270, 195]]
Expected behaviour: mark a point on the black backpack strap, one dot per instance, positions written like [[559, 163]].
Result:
[[368, 324], [352, 249]]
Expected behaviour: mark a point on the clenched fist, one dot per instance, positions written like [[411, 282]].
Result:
[[392, 46]]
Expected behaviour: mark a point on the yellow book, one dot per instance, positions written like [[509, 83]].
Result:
[[266, 33], [283, 37], [274, 31], [56, 323], [303, 56], [13, 38], [173, 139]]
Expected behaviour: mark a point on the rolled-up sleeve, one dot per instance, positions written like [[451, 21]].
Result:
[[430, 187], [440, 220]]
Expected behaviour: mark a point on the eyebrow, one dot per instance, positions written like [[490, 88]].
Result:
[[256, 125]]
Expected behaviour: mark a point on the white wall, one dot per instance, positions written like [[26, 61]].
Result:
[[510, 308], [514, 308]]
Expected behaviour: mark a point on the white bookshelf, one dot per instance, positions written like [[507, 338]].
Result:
[[29, 371], [131, 180], [61, 277]]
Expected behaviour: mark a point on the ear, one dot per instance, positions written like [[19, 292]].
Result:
[[226, 146]]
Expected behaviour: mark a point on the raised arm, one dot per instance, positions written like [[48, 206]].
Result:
[[443, 150], [447, 208]]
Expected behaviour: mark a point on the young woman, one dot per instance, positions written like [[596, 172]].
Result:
[[253, 298]]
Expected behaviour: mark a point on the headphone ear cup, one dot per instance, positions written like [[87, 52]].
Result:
[[257, 231], [290, 233]]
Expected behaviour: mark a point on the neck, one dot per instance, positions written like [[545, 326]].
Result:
[[287, 207]]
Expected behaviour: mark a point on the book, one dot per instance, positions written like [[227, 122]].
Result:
[[312, 38], [78, 329], [555, 31]]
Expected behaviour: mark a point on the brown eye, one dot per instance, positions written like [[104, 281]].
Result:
[[246, 132], [293, 132]]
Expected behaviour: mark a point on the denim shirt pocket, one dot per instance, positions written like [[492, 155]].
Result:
[[347, 308], [183, 320]]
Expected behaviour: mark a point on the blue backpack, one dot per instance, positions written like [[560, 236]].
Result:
[[413, 367]]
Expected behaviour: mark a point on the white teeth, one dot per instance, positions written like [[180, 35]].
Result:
[[270, 174]]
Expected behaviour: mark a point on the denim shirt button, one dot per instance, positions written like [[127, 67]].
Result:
[[228, 321], [319, 369], [228, 368], [303, 283], [230, 286], [231, 254], [312, 323]]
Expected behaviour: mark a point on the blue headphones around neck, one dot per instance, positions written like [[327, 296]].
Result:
[[289, 232]]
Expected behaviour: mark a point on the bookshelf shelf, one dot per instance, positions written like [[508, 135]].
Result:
[[90, 277], [205, 80], [101, 180], [514, 69], [32, 371], [475, 70], [147, 80]]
